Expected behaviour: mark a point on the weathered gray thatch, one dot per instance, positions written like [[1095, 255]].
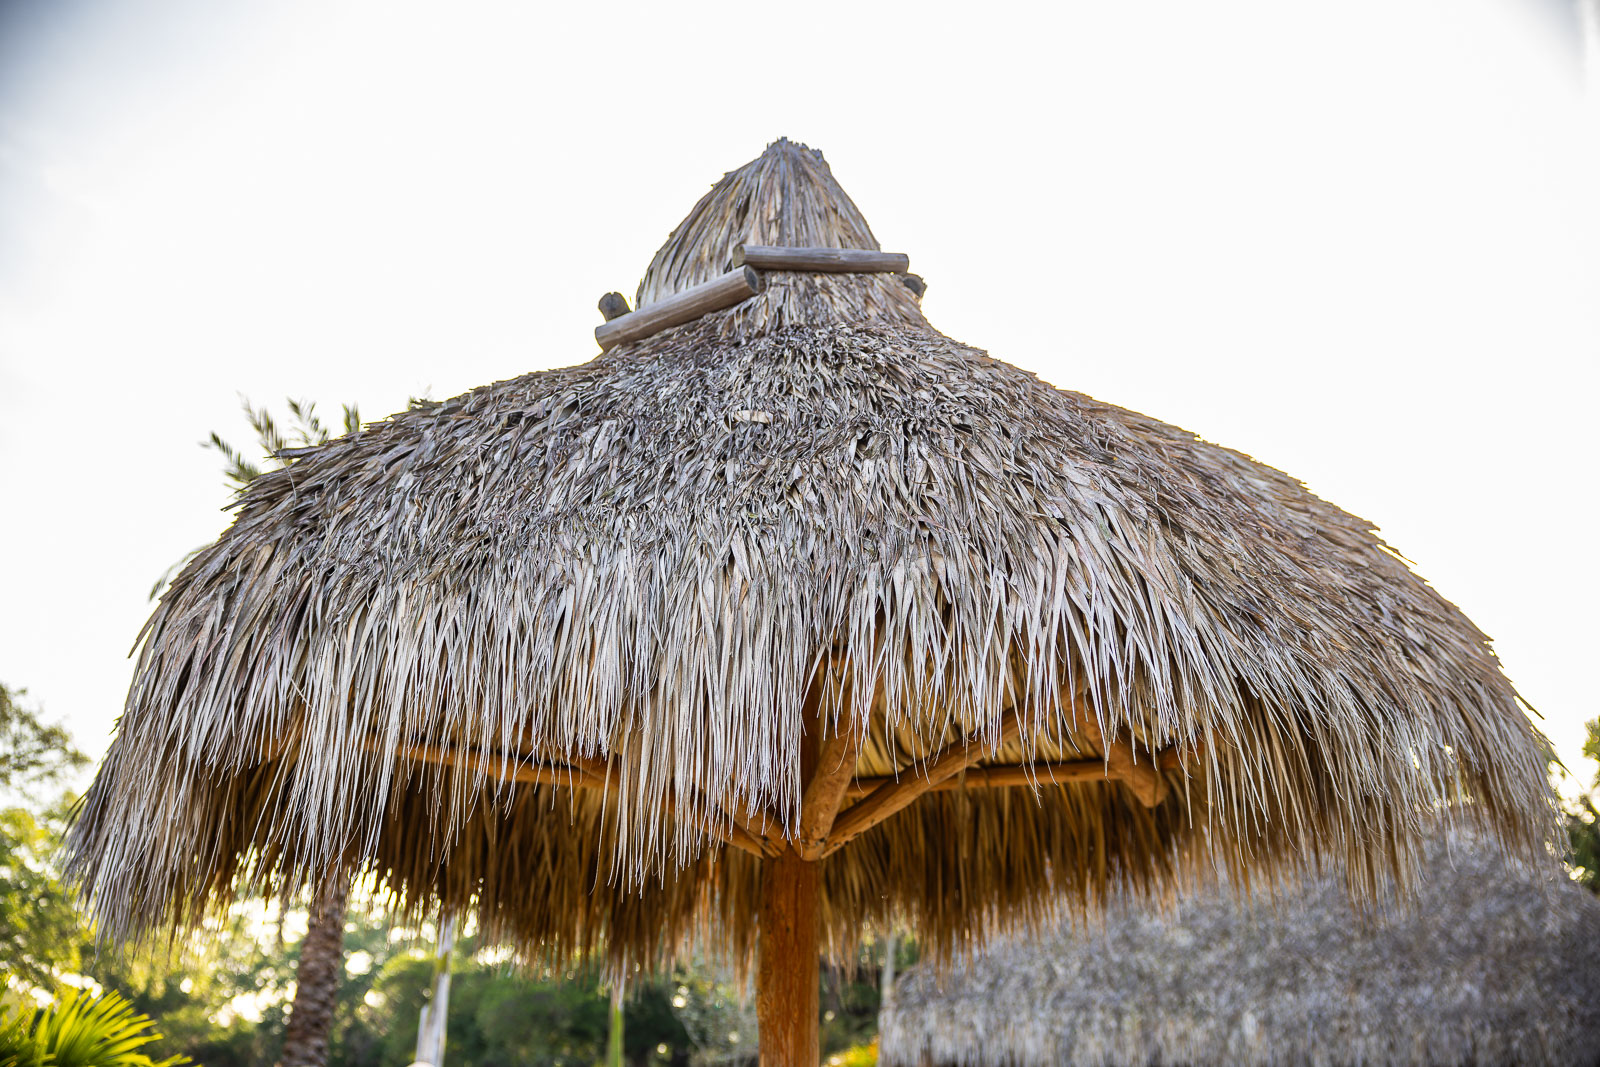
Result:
[[674, 558], [1493, 963]]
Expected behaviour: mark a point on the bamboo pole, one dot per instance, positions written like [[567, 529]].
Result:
[[788, 996], [826, 260], [720, 292]]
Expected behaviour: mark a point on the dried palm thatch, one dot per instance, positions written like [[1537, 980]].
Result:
[[1493, 963], [545, 650]]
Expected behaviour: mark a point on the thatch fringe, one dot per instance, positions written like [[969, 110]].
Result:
[[653, 557], [1491, 964]]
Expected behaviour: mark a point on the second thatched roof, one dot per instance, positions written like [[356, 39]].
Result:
[[1493, 963], [543, 650]]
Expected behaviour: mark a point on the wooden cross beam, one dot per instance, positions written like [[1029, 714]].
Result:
[[574, 772], [823, 829], [1001, 776]]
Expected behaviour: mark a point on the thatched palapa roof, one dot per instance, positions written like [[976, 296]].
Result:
[[547, 649], [1493, 963]]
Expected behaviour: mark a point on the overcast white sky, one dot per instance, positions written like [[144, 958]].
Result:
[[1354, 240]]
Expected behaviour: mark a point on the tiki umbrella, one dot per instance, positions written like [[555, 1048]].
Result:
[[786, 616], [1492, 963]]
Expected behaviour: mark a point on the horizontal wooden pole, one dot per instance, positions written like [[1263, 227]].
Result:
[[1002, 776], [514, 769], [504, 767], [738, 284], [827, 260]]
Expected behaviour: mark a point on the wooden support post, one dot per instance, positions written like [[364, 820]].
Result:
[[893, 796], [613, 306], [721, 292], [788, 998], [825, 260]]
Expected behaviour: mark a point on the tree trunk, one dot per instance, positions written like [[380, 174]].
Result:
[[434, 1024], [316, 992], [787, 977]]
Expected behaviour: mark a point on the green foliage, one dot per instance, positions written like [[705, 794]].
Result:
[[856, 1056], [41, 933], [1583, 823], [32, 752], [305, 429], [17, 1046], [498, 1016], [80, 1030]]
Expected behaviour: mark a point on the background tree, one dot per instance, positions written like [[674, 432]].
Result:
[[41, 933], [1583, 822]]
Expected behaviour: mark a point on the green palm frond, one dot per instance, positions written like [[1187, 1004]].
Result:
[[17, 1046], [82, 1030]]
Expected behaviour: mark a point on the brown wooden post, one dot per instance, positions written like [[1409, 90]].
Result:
[[788, 999]]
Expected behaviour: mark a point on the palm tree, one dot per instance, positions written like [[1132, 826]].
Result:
[[321, 967], [316, 991]]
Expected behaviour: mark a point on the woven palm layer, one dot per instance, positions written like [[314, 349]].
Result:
[[806, 512], [1492, 964]]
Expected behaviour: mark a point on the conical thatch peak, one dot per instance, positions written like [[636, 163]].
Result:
[[786, 196]]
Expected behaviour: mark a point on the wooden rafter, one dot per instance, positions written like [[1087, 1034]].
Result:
[[578, 772], [823, 828], [510, 767], [893, 796]]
